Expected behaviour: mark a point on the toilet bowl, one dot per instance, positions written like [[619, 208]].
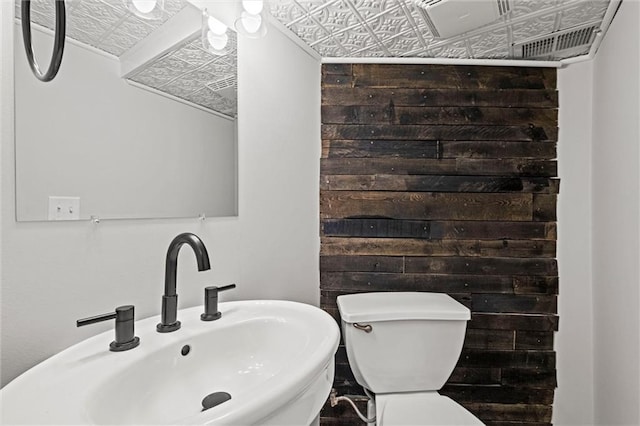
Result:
[[402, 347]]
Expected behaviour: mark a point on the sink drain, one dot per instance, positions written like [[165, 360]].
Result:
[[214, 399], [185, 350]]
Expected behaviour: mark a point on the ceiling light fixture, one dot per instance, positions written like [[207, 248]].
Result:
[[146, 9], [214, 34], [252, 22]]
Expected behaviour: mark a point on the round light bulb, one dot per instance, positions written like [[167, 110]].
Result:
[[144, 6], [251, 23], [253, 7], [217, 41], [216, 26]]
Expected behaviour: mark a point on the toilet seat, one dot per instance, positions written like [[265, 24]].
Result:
[[421, 409]]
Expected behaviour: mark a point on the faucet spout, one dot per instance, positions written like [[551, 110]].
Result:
[[170, 298], [171, 264]]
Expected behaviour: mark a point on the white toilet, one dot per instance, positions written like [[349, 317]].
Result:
[[403, 346]]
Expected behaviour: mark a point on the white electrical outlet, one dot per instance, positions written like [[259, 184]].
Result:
[[64, 208]]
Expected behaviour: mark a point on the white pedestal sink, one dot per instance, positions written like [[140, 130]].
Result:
[[275, 359]]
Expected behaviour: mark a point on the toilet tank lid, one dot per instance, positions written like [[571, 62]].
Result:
[[389, 306]]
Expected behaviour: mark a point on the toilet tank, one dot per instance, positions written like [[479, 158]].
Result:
[[413, 343]]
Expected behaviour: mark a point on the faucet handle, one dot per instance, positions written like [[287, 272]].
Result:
[[211, 312], [125, 327]]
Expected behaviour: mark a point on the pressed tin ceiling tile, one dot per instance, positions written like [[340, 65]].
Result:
[[586, 11], [151, 79], [545, 24], [352, 28], [481, 44], [188, 69], [309, 31], [97, 10], [193, 54]]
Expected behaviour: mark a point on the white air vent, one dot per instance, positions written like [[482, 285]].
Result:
[[222, 84], [560, 42], [448, 18]]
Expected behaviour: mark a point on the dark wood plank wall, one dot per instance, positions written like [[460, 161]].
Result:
[[443, 179]]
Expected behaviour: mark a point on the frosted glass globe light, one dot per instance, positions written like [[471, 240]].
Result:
[[253, 7], [217, 41], [216, 26], [251, 23], [144, 6]]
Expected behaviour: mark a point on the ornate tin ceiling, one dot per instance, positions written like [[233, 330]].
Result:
[[106, 25], [190, 72], [399, 28], [531, 29]]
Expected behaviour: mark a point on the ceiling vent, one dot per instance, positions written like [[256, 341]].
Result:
[[448, 18], [570, 41]]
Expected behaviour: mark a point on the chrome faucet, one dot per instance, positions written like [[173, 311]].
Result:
[[169, 320]]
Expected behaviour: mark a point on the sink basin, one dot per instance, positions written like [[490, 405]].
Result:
[[274, 358]]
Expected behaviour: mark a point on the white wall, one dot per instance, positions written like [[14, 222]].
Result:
[[89, 122], [616, 221], [573, 403], [598, 345], [55, 273]]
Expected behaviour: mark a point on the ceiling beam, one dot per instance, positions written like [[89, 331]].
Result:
[[181, 27]]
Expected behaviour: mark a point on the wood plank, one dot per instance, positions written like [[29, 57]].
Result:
[[330, 418], [531, 304], [529, 378], [458, 166], [366, 166], [337, 76], [389, 228], [340, 69], [524, 167], [483, 376], [544, 207], [521, 413], [492, 230], [440, 132], [534, 340], [531, 284], [498, 394], [489, 339], [550, 76], [513, 359], [522, 321], [337, 246], [513, 98], [379, 148], [425, 205], [361, 263], [482, 266], [359, 282], [451, 76], [355, 282], [355, 148], [376, 228], [436, 183], [344, 371], [453, 115], [498, 149]]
